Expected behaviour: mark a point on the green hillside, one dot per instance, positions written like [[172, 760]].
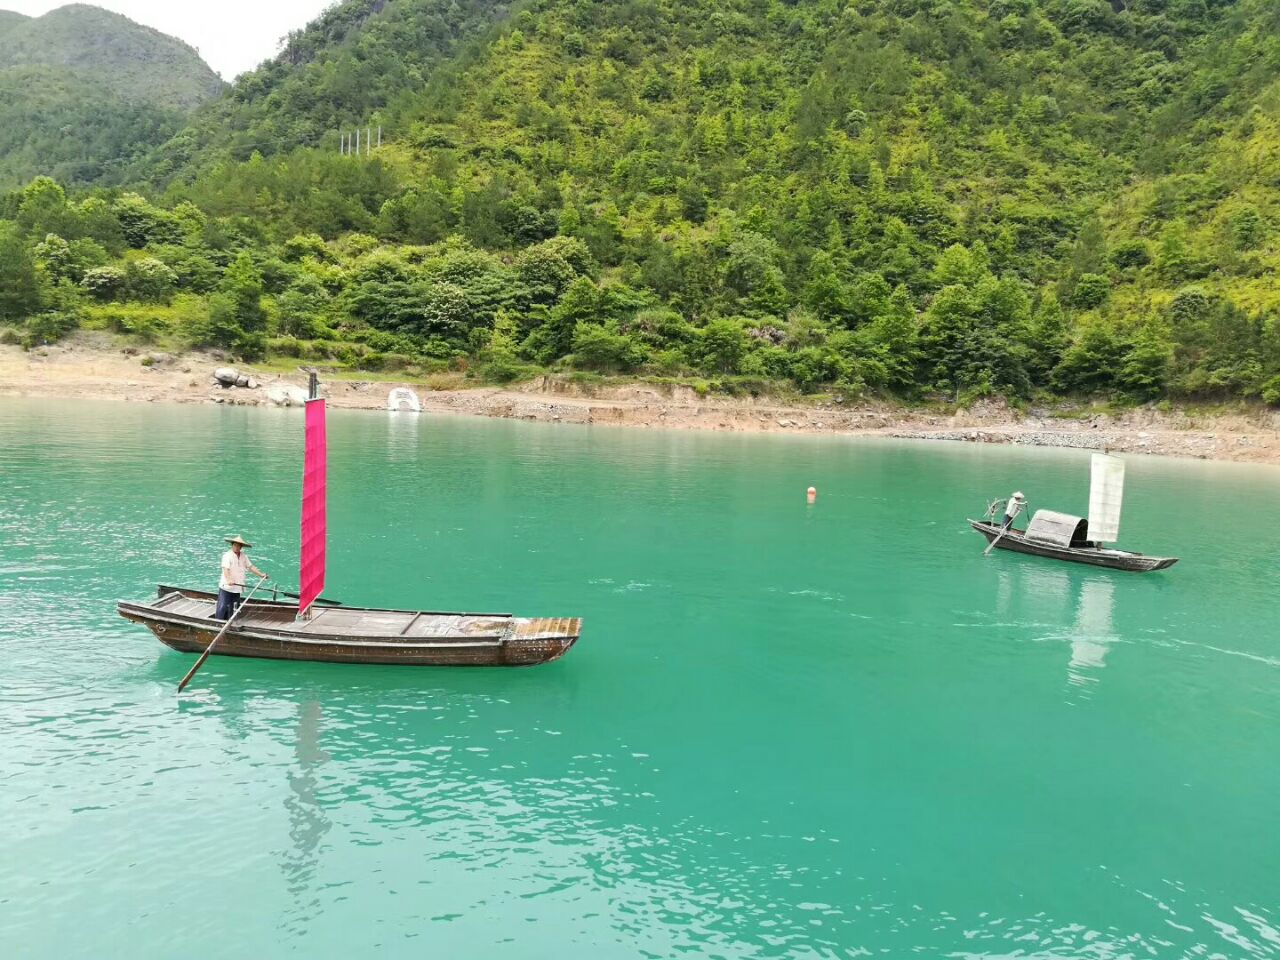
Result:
[[352, 62], [928, 198], [85, 92], [132, 61]]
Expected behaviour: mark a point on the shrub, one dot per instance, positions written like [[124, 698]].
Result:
[[150, 281], [1092, 290], [1131, 253], [305, 245], [602, 348], [1271, 391], [48, 327], [815, 366], [142, 322], [144, 223], [105, 283], [284, 347], [723, 344]]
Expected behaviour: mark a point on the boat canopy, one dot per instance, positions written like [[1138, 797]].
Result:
[[1058, 529]]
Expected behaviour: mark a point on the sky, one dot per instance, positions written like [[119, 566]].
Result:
[[232, 35]]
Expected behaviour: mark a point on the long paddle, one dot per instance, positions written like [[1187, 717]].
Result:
[[209, 649], [992, 545]]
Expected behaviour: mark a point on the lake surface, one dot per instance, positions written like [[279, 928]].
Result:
[[788, 731]]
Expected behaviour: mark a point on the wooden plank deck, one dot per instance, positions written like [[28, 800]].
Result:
[[402, 625]]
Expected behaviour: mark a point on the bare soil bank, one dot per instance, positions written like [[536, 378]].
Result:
[[90, 367]]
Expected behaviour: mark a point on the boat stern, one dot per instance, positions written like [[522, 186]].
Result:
[[542, 640]]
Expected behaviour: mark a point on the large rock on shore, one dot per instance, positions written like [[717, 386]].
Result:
[[227, 376]]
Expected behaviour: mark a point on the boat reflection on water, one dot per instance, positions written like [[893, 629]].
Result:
[[1073, 608]]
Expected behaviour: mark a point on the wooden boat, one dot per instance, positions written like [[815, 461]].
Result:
[[1061, 536], [183, 620], [1042, 539]]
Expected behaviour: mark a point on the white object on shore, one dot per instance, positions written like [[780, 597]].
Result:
[[287, 395], [402, 397]]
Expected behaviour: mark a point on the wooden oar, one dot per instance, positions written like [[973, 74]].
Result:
[[992, 545], [209, 649]]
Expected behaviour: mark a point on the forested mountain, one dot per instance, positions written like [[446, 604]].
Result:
[[83, 91], [921, 197], [354, 60]]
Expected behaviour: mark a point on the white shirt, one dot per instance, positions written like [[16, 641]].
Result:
[[234, 569]]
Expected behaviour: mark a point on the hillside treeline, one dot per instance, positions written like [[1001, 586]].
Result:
[[918, 198]]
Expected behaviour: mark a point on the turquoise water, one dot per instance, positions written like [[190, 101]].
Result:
[[789, 730]]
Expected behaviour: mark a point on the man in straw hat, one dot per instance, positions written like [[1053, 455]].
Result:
[[1015, 505], [235, 567]]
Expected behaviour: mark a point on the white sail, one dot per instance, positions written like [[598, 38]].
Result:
[[1106, 495]]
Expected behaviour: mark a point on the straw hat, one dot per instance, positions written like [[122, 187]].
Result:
[[240, 540], [1016, 496]]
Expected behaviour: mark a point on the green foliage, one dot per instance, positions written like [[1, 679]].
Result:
[[105, 283], [1091, 291], [722, 345], [20, 287], [150, 281], [910, 198], [143, 223], [601, 347], [47, 327]]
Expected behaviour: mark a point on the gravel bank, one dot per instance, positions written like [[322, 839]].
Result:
[[90, 367]]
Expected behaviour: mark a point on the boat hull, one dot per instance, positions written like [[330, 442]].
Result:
[[267, 631], [1110, 559]]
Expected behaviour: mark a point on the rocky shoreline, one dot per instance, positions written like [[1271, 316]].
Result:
[[89, 369]]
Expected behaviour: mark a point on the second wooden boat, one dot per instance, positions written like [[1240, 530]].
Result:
[[1061, 536]]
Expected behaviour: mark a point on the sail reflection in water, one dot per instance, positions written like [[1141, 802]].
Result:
[[1040, 595], [308, 822], [1093, 633]]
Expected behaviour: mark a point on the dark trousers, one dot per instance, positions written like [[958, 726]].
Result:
[[227, 604], [1008, 522]]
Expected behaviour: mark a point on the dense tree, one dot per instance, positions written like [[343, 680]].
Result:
[[19, 283]]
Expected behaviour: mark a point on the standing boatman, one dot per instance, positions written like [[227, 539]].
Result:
[[1013, 506], [235, 566]]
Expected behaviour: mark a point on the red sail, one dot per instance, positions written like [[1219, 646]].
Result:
[[311, 567]]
